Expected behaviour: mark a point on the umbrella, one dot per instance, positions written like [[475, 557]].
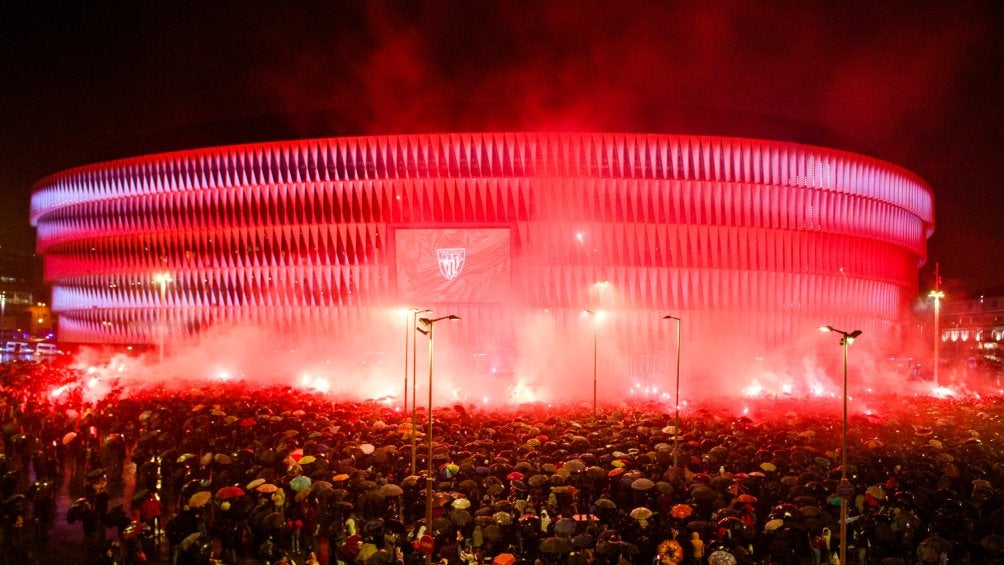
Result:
[[703, 493], [273, 521], [199, 499], [255, 484], [441, 498], [993, 542], [267, 488], [140, 496], [222, 459], [321, 486], [307, 460], [641, 513], [721, 557], [228, 492], [810, 511], [537, 480], [768, 466], [556, 545], [502, 518], [745, 498], [876, 492], [461, 503], [504, 559], [460, 517], [582, 540], [605, 503], [565, 527], [681, 511], [930, 550], [642, 484], [389, 489], [191, 539], [671, 550], [299, 483], [69, 437], [441, 524], [772, 525], [515, 476]]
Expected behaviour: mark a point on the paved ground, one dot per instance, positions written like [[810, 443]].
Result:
[[65, 544]]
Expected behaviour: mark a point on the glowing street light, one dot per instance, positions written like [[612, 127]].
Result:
[[3, 312], [676, 399], [426, 328], [411, 321], [162, 279], [844, 489]]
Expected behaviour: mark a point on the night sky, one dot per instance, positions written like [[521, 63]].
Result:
[[917, 85]]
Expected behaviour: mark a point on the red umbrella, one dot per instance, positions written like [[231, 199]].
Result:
[[515, 476], [228, 492], [681, 511]]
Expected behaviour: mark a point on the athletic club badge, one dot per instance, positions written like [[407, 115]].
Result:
[[451, 261]]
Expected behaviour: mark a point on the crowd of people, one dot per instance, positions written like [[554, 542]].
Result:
[[201, 473]]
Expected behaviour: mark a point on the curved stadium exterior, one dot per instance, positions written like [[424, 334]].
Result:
[[761, 240]]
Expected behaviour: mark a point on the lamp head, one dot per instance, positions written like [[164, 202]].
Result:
[[668, 317], [825, 329]]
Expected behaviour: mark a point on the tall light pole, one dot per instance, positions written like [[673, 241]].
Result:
[[162, 279], [844, 489], [595, 317], [937, 295], [429, 477], [412, 329], [676, 400], [3, 314], [409, 323]]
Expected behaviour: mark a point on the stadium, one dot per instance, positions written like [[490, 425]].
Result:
[[748, 242]]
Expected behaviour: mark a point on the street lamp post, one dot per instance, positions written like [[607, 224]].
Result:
[[595, 317], [676, 400], [429, 477], [844, 489], [414, 312], [937, 295], [3, 314], [162, 279]]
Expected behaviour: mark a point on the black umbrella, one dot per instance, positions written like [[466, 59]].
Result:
[[556, 545]]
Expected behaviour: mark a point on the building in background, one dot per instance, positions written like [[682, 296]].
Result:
[[972, 333], [24, 313], [751, 243]]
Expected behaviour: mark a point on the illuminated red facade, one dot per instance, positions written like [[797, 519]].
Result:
[[766, 239]]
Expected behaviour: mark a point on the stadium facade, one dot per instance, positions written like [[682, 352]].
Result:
[[747, 240]]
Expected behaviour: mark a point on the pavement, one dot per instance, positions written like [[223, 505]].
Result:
[[65, 543]]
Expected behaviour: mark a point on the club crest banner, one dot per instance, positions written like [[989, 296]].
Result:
[[451, 261]]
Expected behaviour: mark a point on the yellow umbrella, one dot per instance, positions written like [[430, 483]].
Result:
[[199, 499]]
